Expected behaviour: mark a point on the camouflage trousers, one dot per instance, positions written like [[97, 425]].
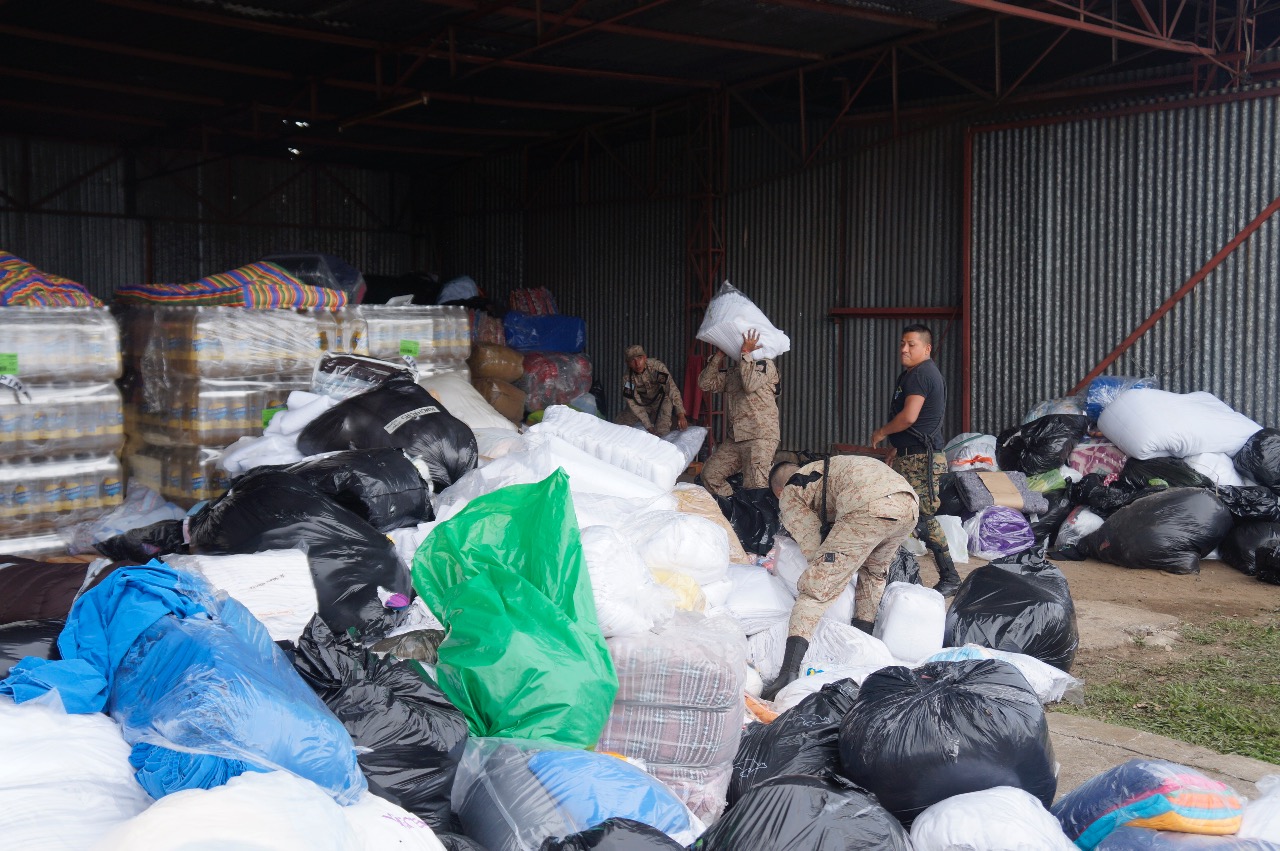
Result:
[[660, 416], [864, 544], [754, 458], [915, 469]]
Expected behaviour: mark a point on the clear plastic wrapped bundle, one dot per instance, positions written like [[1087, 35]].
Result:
[[423, 332], [181, 474], [214, 411], [40, 495], [79, 344], [228, 342], [554, 378], [60, 419], [342, 376]]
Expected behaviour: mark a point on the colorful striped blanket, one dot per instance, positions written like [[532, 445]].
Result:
[[257, 285], [23, 285]]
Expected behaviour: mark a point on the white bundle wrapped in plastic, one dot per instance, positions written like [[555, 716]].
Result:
[[788, 565], [730, 315], [1219, 469], [957, 537], [688, 440], [912, 621], [627, 598], [630, 449], [1003, 818], [695, 499], [971, 452], [1049, 683], [1148, 423], [833, 645], [674, 540], [814, 681], [759, 599], [64, 779], [1262, 817], [276, 586], [463, 401], [679, 706]]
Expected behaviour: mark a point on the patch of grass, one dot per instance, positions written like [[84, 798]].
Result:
[[1222, 694]]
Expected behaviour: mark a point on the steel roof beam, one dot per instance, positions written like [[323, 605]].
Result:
[[858, 13], [1116, 32]]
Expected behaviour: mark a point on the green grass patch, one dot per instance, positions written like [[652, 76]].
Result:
[[1221, 691]]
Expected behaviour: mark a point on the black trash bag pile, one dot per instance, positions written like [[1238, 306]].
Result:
[[380, 485], [402, 415], [803, 740], [918, 736], [753, 514], [803, 813], [1259, 458], [1020, 604], [615, 834], [139, 546], [1162, 472], [1242, 544], [1041, 445], [904, 568], [269, 509], [1170, 530], [415, 737], [1268, 561], [1046, 525], [1251, 503], [21, 639]]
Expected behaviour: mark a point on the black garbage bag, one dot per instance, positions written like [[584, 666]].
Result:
[[380, 485], [21, 639], [918, 736], [1046, 525], [1259, 458], [1107, 501], [140, 545], [458, 842], [1251, 503], [753, 514], [803, 740], [1268, 561], [1241, 545], [804, 813], [398, 414], [1019, 603], [1041, 445], [414, 735], [274, 510], [949, 500], [1162, 472], [905, 568], [1170, 530], [615, 834]]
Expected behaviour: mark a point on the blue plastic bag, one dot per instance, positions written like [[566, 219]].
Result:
[[553, 333], [1104, 389]]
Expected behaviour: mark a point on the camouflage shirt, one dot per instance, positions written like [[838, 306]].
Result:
[[856, 482], [750, 388], [645, 392]]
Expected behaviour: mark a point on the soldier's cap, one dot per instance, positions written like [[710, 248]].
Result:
[[635, 352]]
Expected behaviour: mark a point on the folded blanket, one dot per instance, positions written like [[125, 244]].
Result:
[[976, 495], [257, 285], [23, 285]]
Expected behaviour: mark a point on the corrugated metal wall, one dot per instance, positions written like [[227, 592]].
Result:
[[1082, 229]]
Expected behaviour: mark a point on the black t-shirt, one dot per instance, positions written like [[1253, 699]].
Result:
[[923, 380]]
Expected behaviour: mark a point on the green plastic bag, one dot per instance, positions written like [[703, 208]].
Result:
[[1048, 481], [523, 656]]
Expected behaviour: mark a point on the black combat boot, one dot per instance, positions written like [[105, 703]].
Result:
[[796, 648], [948, 579]]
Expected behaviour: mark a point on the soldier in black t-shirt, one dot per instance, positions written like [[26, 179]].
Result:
[[914, 432]]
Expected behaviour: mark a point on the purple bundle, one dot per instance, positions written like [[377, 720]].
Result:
[[998, 531]]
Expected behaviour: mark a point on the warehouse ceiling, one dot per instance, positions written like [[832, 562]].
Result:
[[422, 85]]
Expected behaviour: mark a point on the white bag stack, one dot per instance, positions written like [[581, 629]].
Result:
[[912, 621], [1003, 818], [627, 598], [1147, 423], [730, 315], [630, 449]]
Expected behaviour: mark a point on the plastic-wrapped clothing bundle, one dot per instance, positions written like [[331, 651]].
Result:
[[803, 740], [730, 315], [802, 813], [1097, 456], [1047, 407], [688, 440], [554, 378], [550, 333], [465, 402], [1148, 793], [1259, 458], [1049, 683], [627, 598], [381, 486], [917, 737], [674, 540], [630, 449], [409, 735], [1079, 524], [1046, 525], [64, 780], [1012, 490], [1218, 469], [971, 452], [1151, 423], [759, 599], [275, 510], [1170, 530], [834, 644], [911, 621], [787, 562], [679, 706], [398, 414], [1145, 839], [1053, 480], [1040, 445], [753, 514], [1020, 604], [1262, 815], [1252, 503], [498, 362], [275, 586], [615, 834], [523, 655], [905, 568], [1241, 545], [695, 499], [1002, 818], [1104, 389], [341, 376], [998, 531], [512, 794]]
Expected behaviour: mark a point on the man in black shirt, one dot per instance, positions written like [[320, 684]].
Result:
[[914, 432]]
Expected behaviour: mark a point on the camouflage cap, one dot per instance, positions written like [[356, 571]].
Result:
[[635, 352]]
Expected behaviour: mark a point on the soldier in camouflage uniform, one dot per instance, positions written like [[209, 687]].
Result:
[[650, 396], [913, 430], [750, 389], [870, 511]]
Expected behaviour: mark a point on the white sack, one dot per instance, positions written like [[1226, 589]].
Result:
[[1262, 817], [464, 401], [911, 621], [688, 440], [730, 315], [833, 645], [1003, 818], [630, 449], [1049, 683], [64, 779], [717, 593], [957, 537], [380, 825], [674, 540], [276, 586], [798, 690], [759, 599], [1147, 423], [1219, 469], [1080, 522], [788, 563], [971, 452], [627, 598]]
